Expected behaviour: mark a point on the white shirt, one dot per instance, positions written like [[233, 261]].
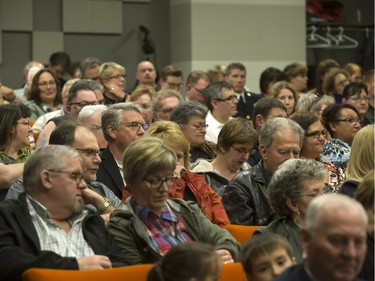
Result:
[[213, 129]]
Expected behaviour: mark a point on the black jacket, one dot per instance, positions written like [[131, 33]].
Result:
[[246, 110], [20, 248], [245, 198], [109, 174]]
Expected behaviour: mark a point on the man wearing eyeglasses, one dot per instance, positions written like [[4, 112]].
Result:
[[164, 103], [81, 93], [221, 101], [48, 227], [196, 83], [122, 123], [236, 76], [171, 78]]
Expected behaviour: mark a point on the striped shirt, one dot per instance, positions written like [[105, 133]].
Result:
[[53, 238], [165, 231]]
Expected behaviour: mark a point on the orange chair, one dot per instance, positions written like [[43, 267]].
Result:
[[241, 232], [129, 273], [233, 272]]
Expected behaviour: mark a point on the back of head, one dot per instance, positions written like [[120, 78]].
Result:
[[365, 191], [270, 75], [145, 156], [260, 245], [305, 118], [187, 261], [264, 107], [267, 132], [361, 160], [333, 204], [50, 157], [170, 133]]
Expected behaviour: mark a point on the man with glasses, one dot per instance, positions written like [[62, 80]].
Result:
[[245, 198], [122, 123], [236, 76], [221, 101], [48, 227], [81, 93], [171, 78], [196, 82]]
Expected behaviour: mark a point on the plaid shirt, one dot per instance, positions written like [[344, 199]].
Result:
[[165, 231]]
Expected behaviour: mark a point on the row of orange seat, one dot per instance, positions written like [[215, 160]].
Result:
[[137, 272]]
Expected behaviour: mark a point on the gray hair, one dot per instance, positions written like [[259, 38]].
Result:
[[288, 182], [214, 91], [81, 84], [90, 110], [316, 210], [162, 94], [267, 132], [112, 116], [50, 157], [186, 110]]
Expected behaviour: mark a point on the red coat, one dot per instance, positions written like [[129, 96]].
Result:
[[207, 199]]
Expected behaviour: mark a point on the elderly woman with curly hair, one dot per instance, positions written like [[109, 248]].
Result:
[[293, 186]]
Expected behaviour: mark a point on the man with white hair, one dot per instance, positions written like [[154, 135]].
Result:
[[334, 239]]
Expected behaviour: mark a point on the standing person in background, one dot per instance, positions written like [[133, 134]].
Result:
[[236, 76], [196, 82], [113, 77], [45, 94], [268, 77], [296, 74], [171, 78]]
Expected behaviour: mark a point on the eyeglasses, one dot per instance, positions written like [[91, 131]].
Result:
[[118, 76], [90, 152], [317, 134], [198, 90], [26, 123], [356, 98], [174, 85], [242, 150], [230, 98], [158, 183], [83, 103], [136, 125], [199, 127], [349, 120], [46, 83], [77, 177]]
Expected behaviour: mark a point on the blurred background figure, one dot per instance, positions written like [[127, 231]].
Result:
[[171, 77], [287, 94], [355, 72], [296, 74], [268, 77], [113, 77], [143, 96], [217, 72]]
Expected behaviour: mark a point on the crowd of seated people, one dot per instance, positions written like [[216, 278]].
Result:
[[95, 174]]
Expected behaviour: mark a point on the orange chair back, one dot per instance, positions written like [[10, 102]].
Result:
[[241, 232], [128, 273], [233, 272]]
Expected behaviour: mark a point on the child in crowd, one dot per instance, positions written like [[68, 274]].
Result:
[[266, 256], [188, 261]]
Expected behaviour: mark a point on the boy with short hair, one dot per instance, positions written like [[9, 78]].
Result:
[[263, 257]]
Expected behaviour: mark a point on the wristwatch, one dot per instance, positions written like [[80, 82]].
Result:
[[107, 203]]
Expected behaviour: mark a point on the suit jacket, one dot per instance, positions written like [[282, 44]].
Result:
[[109, 174], [246, 110], [297, 273]]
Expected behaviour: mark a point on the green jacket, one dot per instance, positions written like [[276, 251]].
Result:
[[131, 233]]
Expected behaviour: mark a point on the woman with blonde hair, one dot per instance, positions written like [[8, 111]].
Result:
[[188, 185], [143, 95], [361, 160], [113, 77], [287, 94]]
